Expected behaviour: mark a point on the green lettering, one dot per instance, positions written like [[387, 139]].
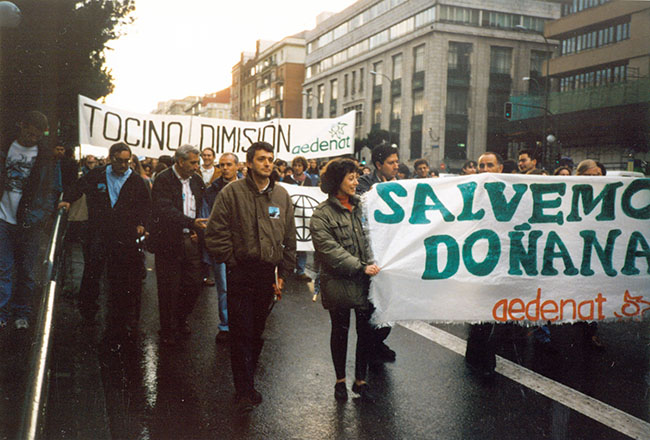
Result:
[[468, 190], [604, 255], [384, 191], [519, 256], [626, 200], [491, 259], [502, 209], [607, 196], [418, 214], [539, 204], [632, 254], [550, 254], [431, 271]]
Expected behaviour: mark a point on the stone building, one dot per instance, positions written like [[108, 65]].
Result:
[[436, 74]]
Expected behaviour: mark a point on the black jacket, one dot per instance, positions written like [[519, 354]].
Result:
[[38, 200], [168, 220], [116, 224]]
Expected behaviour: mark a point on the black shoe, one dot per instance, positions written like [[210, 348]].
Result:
[[364, 391], [247, 402], [222, 336], [484, 372], [385, 353], [256, 397], [303, 277], [340, 392]]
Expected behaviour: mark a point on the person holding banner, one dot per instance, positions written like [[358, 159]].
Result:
[[386, 160], [342, 250]]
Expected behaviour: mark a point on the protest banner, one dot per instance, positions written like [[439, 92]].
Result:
[[503, 247], [305, 199], [154, 135]]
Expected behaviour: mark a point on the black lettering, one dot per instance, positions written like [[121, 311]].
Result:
[[126, 132], [204, 126], [169, 134], [286, 140], [119, 127], [92, 116], [160, 136]]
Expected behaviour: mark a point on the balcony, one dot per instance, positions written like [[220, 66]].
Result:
[[458, 77], [630, 92]]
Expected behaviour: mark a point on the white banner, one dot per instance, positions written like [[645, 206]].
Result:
[[503, 247], [153, 135], [305, 199]]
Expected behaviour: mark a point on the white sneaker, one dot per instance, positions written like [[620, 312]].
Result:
[[21, 323]]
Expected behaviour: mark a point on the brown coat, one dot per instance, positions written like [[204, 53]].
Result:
[[247, 226]]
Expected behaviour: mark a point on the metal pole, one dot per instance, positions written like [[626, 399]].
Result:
[[545, 160]]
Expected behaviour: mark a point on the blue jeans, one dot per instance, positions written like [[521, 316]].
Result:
[[222, 292], [301, 262], [18, 251]]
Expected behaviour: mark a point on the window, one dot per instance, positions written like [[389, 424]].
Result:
[[418, 59], [334, 87], [458, 57], [354, 82], [459, 15], [396, 110], [377, 77], [500, 60], [321, 93], [418, 102], [376, 113], [402, 28], [361, 77], [426, 17], [397, 66], [378, 39], [457, 99]]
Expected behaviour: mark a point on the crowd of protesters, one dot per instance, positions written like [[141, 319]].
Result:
[[200, 214]]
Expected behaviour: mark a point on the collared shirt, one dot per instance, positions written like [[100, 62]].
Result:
[[189, 202], [207, 174], [114, 182]]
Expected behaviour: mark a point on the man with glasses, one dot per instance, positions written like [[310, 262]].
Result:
[[118, 210]]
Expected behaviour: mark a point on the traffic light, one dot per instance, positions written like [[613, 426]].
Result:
[[507, 110]]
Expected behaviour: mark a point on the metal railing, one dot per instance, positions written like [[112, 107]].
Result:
[[38, 381]]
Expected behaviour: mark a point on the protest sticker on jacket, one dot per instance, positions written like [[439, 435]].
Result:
[[502, 247], [305, 199], [153, 135]]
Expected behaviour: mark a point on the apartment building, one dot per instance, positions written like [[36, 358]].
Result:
[[435, 74], [268, 83], [599, 107]]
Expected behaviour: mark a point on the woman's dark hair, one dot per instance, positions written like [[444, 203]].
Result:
[[336, 171]]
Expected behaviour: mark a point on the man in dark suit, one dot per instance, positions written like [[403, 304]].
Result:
[[118, 209], [177, 239]]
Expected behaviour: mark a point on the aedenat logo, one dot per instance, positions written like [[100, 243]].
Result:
[[338, 141]]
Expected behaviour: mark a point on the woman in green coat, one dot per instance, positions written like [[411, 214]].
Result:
[[342, 251]]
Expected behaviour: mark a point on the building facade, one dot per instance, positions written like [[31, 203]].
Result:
[[598, 108], [435, 74], [268, 84], [213, 105]]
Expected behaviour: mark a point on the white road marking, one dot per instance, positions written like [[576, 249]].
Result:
[[577, 401]]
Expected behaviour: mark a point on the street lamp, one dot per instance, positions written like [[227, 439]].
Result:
[[546, 83]]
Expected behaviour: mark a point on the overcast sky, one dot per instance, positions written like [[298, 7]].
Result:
[[180, 48]]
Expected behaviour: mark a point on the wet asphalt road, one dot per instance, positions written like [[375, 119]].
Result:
[[144, 391]]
